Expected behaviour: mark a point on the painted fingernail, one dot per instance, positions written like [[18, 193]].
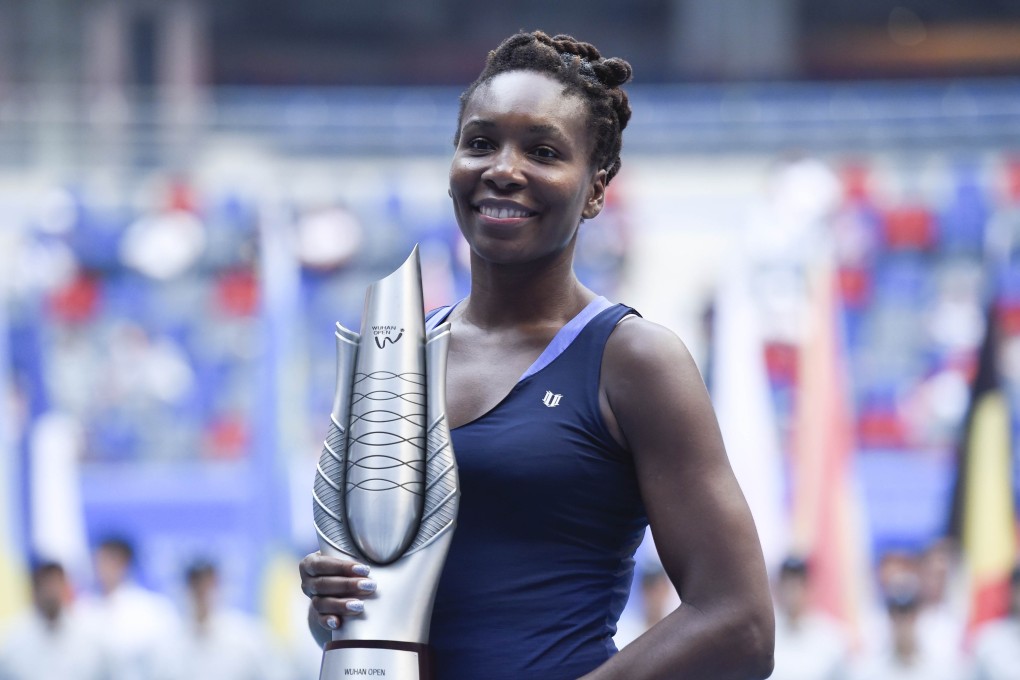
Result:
[[332, 622], [356, 606], [366, 585], [360, 570]]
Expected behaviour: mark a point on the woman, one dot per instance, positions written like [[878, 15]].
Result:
[[575, 421]]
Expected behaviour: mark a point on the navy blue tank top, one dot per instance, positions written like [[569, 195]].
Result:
[[541, 561]]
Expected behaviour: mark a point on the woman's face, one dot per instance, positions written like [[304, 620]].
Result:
[[520, 178]]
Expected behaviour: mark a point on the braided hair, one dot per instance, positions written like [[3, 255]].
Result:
[[584, 72]]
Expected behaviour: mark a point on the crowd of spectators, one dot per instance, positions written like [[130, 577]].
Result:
[[116, 629]]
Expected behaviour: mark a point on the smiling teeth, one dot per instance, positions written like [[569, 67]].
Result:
[[502, 213]]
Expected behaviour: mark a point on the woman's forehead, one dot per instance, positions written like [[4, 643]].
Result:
[[531, 93]]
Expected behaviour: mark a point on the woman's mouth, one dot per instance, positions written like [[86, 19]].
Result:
[[503, 212]]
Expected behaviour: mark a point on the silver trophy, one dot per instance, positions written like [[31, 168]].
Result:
[[386, 489]]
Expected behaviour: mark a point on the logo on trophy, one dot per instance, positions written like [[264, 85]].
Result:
[[386, 491]]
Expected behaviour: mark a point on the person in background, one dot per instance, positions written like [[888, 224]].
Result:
[[895, 566], [214, 642], [904, 657], [133, 621], [996, 653], [49, 641], [941, 612], [809, 644], [942, 615]]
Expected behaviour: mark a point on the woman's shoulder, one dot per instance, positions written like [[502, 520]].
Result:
[[645, 362], [640, 344]]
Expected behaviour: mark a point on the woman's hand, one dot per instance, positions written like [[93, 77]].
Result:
[[334, 586]]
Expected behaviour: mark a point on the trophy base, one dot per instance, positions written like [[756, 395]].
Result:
[[375, 659]]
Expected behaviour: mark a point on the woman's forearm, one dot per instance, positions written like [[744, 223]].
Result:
[[726, 643]]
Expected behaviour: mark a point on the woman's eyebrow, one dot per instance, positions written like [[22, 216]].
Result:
[[538, 128], [550, 130]]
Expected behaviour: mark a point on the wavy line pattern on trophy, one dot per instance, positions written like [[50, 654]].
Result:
[[386, 456], [382, 449]]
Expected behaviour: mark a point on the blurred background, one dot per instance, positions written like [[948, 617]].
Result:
[[821, 198]]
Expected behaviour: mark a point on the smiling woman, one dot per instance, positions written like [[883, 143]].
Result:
[[576, 422], [521, 171]]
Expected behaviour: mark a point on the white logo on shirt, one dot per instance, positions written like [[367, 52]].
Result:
[[551, 399]]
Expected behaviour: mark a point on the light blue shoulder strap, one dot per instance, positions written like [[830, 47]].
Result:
[[438, 315]]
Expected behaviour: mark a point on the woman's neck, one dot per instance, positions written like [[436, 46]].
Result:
[[530, 294]]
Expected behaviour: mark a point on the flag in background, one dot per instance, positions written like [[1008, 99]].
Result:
[[982, 516], [743, 404], [13, 583], [57, 527], [828, 519]]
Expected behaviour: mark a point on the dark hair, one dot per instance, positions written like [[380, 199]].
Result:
[[794, 566], [42, 569], [119, 545], [584, 72], [199, 569]]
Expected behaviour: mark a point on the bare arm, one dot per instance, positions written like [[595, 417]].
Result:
[[706, 539]]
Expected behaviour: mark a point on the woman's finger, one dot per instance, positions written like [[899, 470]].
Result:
[[337, 586], [332, 611], [317, 564]]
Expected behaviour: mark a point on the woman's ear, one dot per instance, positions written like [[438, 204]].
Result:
[[597, 196]]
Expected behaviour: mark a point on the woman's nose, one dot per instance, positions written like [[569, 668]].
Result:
[[505, 170]]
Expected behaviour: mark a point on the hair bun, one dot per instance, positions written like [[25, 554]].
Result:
[[614, 72]]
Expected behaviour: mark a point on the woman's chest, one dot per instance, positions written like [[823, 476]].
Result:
[[481, 372], [543, 450]]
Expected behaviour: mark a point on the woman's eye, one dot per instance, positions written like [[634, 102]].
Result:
[[479, 144], [546, 152]]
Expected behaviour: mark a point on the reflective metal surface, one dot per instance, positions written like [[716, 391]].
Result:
[[386, 489]]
